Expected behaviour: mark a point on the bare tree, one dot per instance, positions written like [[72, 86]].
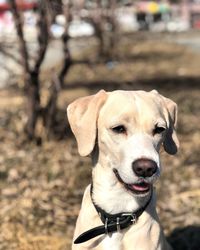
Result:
[[58, 78], [46, 12], [112, 34], [99, 15], [31, 74]]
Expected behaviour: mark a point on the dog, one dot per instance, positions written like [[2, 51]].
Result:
[[123, 132]]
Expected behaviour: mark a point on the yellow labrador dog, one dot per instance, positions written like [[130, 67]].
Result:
[[123, 132]]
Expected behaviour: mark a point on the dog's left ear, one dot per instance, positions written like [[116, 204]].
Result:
[[171, 142], [83, 115]]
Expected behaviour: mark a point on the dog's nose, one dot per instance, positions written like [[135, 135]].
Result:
[[144, 167]]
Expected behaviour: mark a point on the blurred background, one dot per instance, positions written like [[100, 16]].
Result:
[[52, 52]]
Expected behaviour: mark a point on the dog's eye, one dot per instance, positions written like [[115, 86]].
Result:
[[119, 129], [158, 130]]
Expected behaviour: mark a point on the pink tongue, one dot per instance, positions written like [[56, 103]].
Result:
[[142, 187]]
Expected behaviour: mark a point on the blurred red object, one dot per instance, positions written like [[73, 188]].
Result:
[[21, 4]]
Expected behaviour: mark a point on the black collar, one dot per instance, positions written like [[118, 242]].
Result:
[[111, 222]]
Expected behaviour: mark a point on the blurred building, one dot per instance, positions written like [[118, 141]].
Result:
[[152, 15], [192, 9]]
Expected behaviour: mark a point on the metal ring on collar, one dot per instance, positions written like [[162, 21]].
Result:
[[118, 225], [106, 226]]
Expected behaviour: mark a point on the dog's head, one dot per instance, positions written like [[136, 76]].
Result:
[[129, 128]]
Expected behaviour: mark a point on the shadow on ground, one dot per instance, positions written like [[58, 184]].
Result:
[[163, 83], [187, 238]]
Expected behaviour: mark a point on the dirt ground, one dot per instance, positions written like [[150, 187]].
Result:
[[41, 186]]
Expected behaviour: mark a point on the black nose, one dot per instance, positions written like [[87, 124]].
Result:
[[144, 167]]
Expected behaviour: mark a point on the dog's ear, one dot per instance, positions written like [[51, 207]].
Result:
[[83, 115], [171, 143]]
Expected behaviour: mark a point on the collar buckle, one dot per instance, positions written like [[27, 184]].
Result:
[[134, 217]]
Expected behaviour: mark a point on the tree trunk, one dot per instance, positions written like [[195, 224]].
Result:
[[33, 104]]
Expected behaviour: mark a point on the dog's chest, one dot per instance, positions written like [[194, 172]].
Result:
[[113, 241]]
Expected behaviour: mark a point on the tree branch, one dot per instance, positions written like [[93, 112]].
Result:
[[43, 35], [22, 42], [66, 9], [10, 55]]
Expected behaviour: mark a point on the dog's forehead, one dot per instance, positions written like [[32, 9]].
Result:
[[133, 101], [138, 107]]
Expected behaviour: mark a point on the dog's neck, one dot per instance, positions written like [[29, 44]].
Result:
[[111, 196]]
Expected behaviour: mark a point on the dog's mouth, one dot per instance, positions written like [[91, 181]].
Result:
[[141, 187]]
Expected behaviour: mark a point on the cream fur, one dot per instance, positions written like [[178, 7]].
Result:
[[139, 112]]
